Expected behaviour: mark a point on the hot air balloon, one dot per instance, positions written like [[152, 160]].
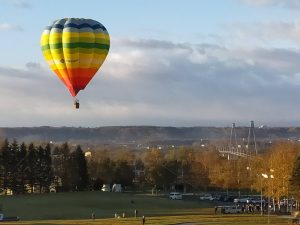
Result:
[[75, 49]]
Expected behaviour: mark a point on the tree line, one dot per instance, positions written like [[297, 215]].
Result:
[[42, 168], [22, 167], [275, 170], [31, 168]]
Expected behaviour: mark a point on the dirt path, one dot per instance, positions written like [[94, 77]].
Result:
[[195, 223], [187, 223]]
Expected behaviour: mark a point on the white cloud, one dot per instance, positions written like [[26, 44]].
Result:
[[22, 3], [7, 26], [155, 82], [268, 34], [33, 65], [18, 3], [285, 3]]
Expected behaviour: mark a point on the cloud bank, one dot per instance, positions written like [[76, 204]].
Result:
[[157, 82], [292, 4]]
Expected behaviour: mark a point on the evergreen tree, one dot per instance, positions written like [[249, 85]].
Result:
[[63, 166], [95, 181], [44, 168], [106, 169], [73, 169], [80, 167], [13, 163], [39, 167], [21, 168], [57, 167], [123, 173], [3, 164], [32, 166], [47, 168]]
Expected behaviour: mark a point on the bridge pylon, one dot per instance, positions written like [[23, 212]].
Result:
[[233, 145], [251, 147]]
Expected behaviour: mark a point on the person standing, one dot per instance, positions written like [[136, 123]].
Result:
[[135, 213], [143, 220]]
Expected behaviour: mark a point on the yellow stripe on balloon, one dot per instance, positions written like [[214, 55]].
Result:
[[71, 53]]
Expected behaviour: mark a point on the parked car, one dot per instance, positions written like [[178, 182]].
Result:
[[105, 188], [116, 188], [253, 200], [256, 201], [175, 196], [230, 209], [229, 198], [207, 197], [242, 200]]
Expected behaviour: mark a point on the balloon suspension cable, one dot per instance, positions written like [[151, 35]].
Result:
[[76, 103]]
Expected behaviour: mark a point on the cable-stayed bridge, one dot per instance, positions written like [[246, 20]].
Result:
[[233, 149]]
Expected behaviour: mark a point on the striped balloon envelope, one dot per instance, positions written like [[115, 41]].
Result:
[[75, 49]]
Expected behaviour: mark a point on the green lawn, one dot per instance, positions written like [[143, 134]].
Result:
[[80, 205], [76, 208]]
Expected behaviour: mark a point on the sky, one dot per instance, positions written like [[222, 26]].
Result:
[[171, 63]]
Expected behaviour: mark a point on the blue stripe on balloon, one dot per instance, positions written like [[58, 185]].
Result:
[[84, 25], [59, 26]]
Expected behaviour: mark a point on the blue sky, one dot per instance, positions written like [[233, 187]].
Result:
[[171, 63]]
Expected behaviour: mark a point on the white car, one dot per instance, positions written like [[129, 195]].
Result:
[[106, 188], [241, 200], [175, 196], [207, 197]]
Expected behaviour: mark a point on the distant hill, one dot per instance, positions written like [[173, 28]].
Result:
[[140, 134]]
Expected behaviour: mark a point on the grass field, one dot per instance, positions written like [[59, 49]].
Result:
[[80, 205], [76, 208], [168, 220]]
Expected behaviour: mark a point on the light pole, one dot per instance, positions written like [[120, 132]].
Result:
[[261, 190], [261, 197], [266, 176], [272, 193], [270, 176]]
